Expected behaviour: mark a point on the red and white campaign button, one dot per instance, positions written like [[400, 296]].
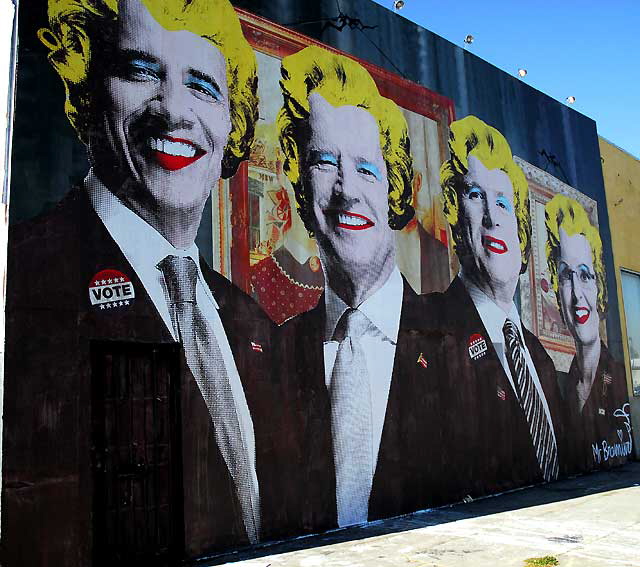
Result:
[[477, 346], [110, 289]]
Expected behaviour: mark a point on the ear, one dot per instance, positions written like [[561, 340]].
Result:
[[417, 184]]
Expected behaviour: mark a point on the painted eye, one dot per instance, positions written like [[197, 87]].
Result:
[[369, 170], [141, 70], [504, 203], [585, 275], [326, 160], [203, 86], [565, 274], [475, 193]]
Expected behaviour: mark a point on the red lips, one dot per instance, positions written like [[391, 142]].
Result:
[[368, 223], [581, 319], [494, 245], [173, 162]]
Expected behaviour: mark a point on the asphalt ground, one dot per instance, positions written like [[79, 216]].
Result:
[[587, 521]]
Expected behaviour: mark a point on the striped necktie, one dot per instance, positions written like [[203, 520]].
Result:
[[542, 437]]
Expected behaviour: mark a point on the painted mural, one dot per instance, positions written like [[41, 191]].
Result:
[[398, 314]]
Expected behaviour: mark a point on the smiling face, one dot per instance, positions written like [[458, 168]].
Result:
[[346, 176], [165, 116], [578, 289], [489, 230]]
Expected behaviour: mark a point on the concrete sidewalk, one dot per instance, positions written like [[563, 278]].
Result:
[[589, 521]]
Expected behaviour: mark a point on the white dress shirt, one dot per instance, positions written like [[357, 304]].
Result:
[[383, 310], [493, 319], [144, 247]]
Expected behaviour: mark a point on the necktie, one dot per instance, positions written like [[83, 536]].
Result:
[[351, 421], [544, 441], [206, 363]]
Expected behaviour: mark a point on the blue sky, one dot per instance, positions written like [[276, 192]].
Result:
[[589, 49]]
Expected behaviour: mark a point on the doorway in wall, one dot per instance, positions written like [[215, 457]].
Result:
[[136, 454]]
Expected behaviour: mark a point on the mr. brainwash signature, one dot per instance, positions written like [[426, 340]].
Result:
[[603, 451]]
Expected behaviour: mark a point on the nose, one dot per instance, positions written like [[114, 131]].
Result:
[[489, 214], [171, 102], [346, 181], [576, 288]]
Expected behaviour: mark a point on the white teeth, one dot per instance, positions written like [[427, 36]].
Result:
[[581, 311], [172, 148], [495, 245], [351, 220]]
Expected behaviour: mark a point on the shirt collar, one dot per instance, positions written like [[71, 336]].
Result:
[[143, 246], [493, 317], [383, 308]]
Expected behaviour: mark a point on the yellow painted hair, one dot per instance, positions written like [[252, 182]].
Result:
[[342, 82], [73, 23], [566, 213], [470, 136]]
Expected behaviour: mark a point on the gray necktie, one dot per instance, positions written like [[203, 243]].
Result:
[[206, 363], [544, 441], [351, 420]]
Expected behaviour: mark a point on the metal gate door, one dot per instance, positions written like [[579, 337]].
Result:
[[137, 496]]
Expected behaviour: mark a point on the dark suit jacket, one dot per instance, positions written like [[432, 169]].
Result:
[[47, 497], [491, 444], [409, 468], [597, 423]]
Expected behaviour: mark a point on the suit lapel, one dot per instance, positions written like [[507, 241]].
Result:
[[318, 441], [489, 423], [98, 251], [411, 438], [300, 495], [248, 330]]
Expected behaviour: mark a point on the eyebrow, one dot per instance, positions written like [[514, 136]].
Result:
[[563, 264], [137, 54]]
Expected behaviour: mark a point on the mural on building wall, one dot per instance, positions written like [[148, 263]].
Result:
[[400, 313]]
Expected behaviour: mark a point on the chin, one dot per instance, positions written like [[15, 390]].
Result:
[[498, 279], [588, 338]]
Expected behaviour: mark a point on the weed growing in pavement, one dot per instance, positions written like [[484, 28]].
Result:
[[547, 561]]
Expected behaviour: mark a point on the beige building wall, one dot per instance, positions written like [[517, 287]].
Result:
[[621, 173]]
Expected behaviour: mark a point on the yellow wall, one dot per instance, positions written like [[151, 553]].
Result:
[[622, 185]]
